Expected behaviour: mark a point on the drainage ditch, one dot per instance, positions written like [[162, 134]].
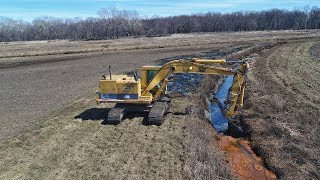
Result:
[[244, 162], [242, 159]]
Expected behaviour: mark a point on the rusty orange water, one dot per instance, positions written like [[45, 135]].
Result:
[[243, 160]]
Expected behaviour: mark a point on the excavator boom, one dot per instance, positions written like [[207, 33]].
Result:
[[236, 92]]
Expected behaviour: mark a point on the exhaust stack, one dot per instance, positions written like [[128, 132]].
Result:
[[110, 72]]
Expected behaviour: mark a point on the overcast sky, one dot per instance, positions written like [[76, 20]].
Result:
[[29, 9]]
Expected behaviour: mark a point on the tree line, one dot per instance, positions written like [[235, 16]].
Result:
[[113, 23]]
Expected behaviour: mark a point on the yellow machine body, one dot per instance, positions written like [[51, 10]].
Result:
[[125, 89], [120, 85]]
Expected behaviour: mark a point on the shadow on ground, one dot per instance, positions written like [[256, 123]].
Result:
[[98, 114], [94, 114]]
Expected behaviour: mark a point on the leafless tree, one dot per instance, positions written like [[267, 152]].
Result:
[[115, 23]]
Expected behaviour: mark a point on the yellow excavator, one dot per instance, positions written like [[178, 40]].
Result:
[[146, 90]]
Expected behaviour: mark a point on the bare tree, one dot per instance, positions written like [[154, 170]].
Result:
[[115, 23]]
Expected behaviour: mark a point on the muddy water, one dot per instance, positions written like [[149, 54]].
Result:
[[244, 162]]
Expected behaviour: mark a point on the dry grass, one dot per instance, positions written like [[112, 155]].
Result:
[[65, 148], [202, 159], [254, 49], [184, 147], [55, 47], [283, 110]]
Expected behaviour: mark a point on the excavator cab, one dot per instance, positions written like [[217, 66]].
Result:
[[146, 75]]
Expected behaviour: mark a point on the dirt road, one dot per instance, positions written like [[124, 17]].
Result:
[[30, 92]]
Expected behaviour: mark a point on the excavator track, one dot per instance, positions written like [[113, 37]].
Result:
[[156, 113], [115, 115]]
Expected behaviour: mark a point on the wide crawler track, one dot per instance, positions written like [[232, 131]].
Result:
[[156, 113]]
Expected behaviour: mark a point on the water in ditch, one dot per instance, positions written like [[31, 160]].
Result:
[[219, 122]]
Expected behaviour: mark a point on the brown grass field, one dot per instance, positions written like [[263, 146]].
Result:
[[281, 113], [184, 147], [56, 47], [283, 109]]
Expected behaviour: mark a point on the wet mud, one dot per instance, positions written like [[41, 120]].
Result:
[[244, 162]]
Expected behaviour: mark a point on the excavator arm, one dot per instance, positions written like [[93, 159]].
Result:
[[234, 100]]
